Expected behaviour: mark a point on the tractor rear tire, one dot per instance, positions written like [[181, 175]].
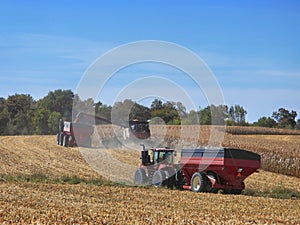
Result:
[[66, 141], [140, 177], [61, 138], [158, 178], [170, 177], [58, 138], [198, 182]]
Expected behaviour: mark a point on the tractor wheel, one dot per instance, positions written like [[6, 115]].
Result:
[[140, 177], [61, 138], [66, 141], [179, 180], [71, 141], [58, 138], [170, 177], [198, 182], [158, 178]]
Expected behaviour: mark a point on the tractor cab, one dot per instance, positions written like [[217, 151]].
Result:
[[158, 156]]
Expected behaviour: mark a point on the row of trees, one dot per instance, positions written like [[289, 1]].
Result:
[[21, 114]]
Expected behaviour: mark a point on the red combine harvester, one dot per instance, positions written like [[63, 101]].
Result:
[[199, 170]]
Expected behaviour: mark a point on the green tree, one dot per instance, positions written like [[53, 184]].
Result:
[[103, 110], [156, 105], [298, 125], [3, 116], [213, 114], [265, 122], [169, 111], [219, 114], [19, 109], [205, 116], [53, 122], [192, 118], [59, 101], [237, 114], [127, 110], [40, 121], [285, 118]]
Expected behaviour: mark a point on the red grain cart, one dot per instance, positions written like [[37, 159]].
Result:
[[200, 170]]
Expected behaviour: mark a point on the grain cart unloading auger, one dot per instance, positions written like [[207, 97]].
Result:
[[199, 170]]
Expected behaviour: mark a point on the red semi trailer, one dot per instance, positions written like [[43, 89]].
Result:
[[199, 170]]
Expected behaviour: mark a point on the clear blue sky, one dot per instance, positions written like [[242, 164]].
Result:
[[253, 47]]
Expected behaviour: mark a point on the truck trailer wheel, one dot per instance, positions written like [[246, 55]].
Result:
[[140, 177], [198, 182], [158, 178]]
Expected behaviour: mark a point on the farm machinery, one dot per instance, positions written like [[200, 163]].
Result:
[[66, 136], [83, 128], [199, 170]]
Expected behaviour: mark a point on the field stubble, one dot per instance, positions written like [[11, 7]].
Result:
[[49, 203]]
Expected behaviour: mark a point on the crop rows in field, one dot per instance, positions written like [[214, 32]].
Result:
[[46, 202], [28, 203], [40, 155]]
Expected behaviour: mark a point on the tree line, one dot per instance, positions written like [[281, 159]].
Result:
[[20, 114]]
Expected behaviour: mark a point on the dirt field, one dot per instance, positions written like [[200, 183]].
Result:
[[49, 203]]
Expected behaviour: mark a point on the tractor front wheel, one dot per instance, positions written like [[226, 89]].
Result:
[[61, 138], [140, 177], [158, 178], [170, 177], [58, 138], [198, 182]]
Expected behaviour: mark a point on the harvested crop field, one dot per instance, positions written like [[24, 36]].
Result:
[[83, 204], [27, 201]]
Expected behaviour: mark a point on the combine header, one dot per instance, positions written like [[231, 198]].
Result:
[[199, 170]]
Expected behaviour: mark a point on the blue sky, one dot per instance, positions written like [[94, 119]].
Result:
[[252, 47]]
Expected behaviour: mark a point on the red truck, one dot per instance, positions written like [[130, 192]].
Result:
[[199, 170]]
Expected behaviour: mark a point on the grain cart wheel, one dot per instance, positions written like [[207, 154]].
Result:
[[66, 141], [158, 178], [140, 177], [198, 182], [211, 175], [236, 191]]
